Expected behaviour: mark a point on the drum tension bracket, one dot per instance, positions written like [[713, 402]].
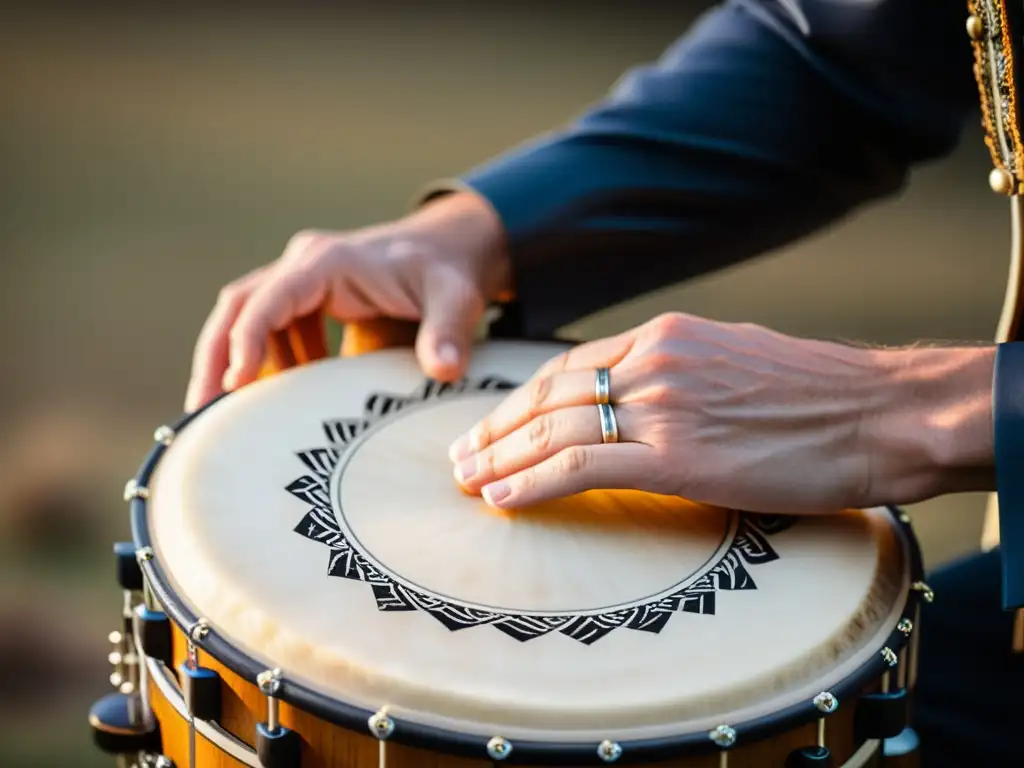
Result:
[[201, 686], [276, 746]]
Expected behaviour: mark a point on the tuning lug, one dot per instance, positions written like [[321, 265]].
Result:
[[119, 730]]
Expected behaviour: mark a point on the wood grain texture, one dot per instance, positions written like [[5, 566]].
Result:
[[325, 745], [175, 734], [383, 333]]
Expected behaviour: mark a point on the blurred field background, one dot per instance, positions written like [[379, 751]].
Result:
[[148, 157]]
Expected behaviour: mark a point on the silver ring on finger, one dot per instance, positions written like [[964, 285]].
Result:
[[609, 426], [603, 386]]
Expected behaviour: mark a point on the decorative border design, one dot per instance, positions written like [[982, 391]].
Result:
[[749, 546], [995, 73]]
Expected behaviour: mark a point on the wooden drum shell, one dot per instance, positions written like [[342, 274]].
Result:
[[325, 745]]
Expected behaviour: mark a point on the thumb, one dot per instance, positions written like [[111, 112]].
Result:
[[452, 307]]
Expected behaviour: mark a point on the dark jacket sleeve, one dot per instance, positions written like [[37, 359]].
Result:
[[1008, 429], [766, 121]]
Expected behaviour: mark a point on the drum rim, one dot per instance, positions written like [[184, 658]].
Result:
[[456, 743]]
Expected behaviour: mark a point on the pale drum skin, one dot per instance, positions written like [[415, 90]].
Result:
[[326, 745]]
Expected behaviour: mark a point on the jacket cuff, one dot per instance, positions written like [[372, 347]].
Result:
[[1008, 424]]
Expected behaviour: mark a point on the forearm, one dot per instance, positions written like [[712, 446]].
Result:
[[743, 137], [927, 425]]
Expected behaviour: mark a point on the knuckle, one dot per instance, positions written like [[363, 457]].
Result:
[[540, 433], [231, 294], [488, 463], [308, 250], [302, 240], [526, 482], [558, 364], [573, 460], [670, 324], [747, 331], [405, 253], [481, 435], [660, 393], [538, 392]]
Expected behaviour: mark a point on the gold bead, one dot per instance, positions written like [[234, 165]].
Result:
[[975, 28], [1001, 181]]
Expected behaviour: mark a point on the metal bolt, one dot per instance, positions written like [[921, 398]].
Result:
[[164, 434], [498, 748], [144, 554], [609, 751], [269, 682], [927, 594], [132, 490], [906, 626], [890, 657], [723, 736], [381, 725], [199, 630], [826, 702]]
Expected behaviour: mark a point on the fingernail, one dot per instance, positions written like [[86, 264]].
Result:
[[460, 449], [495, 493], [230, 378], [448, 354], [466, 469]]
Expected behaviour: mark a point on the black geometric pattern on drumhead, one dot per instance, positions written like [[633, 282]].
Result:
[[750, 546]]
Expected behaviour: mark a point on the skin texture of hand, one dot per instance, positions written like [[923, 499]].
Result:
[[440, 265], [742, 417]]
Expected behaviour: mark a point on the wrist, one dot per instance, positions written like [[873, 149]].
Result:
[[929, 431], [464, 227]]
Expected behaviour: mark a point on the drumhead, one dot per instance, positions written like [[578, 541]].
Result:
[[313, 520]]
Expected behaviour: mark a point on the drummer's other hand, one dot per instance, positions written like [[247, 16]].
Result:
[[742, 417], [440, 265]]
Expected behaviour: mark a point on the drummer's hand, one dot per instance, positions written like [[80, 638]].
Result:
[[440, 265], [742, 417]]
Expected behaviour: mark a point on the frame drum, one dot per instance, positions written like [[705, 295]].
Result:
[[317, 591]]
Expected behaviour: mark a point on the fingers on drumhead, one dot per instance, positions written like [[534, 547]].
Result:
[[539, 439], [571, 471], [543, 394]]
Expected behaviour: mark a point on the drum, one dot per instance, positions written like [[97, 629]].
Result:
[[308, 586]]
